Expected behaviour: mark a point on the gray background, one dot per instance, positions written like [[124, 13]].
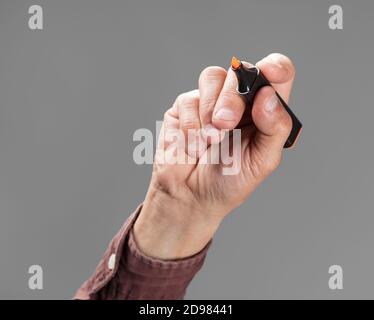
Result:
[[72, 95]]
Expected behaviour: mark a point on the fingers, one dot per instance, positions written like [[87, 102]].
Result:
[[187, 105], [216, 105], [182, 123], [280, 72], [230, 106], [182, 115], [211, 82], [272, 121], [220, 103]]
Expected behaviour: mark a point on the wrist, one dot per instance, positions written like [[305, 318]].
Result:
[[168, 228]]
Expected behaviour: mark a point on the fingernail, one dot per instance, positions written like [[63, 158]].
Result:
[[225, 114], [271, 103]]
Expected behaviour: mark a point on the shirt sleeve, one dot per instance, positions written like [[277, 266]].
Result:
[[125, 273]]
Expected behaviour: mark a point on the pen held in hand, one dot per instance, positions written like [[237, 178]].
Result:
[[250, 80]]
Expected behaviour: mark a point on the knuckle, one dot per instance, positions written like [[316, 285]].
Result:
[[207, 104], [212, 73], [167, 114], [180, 98], [190, 123], [187, 99], [227, 97]]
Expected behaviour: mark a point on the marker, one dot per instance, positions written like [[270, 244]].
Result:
[[250, 80]]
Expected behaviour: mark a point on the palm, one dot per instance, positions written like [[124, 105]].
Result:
[[209, 182]]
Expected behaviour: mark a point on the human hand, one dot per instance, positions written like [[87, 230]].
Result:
[[187, 200]]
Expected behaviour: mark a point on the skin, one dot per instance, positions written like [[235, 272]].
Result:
[[186, 203]]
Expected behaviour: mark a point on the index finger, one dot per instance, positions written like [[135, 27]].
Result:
[[230, 106]]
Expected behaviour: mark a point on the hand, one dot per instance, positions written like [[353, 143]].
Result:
[[187, 201]]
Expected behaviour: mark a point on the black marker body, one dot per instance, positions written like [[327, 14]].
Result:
[[250, 80]]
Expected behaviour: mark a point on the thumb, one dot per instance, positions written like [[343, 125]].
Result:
[[272, 121]]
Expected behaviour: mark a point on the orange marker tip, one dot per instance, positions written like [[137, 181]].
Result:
[[235, 63]]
